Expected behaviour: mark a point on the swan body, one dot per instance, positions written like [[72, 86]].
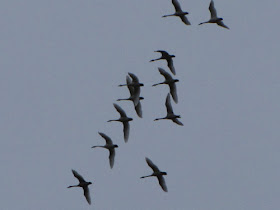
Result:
[[157, 173], [83, 184], [110, 146], [179, 13], [214, 18], [166, 56], [170, 82], [124, 119], [170, 114]]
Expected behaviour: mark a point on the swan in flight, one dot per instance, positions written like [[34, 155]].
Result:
[[124, 119], [138, 107], [214, 18], [170, 115], [165, 56], [170, 82], [110, 146], [179, 12], [83, 184], [159, 174], [136, 85]]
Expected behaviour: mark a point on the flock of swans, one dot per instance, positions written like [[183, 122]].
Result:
[[133, 85]]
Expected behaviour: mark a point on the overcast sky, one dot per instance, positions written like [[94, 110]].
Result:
[[61, 63]]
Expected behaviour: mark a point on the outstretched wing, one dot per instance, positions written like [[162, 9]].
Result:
[[171, 66], [176, 5], [185, 19], [163, 53], [112, 157], [221, 23], [120, 110], [130, 88], [168, 104], [166, 75], [152, 165], [134, 77], [162, 183], [78, 176], [177, 121], [126, 131], [107, 138], [138, 109], [173, 91], [136, 95], [212, 10], [86, 194]]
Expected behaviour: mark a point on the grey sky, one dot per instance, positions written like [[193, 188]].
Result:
[[61, 62]]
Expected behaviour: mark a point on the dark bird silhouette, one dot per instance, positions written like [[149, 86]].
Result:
[[179, 13], [214, 18], [124, 119], [133, 96], [110, 146], [168, 58], [170, 82], [159, 174], [170, 114], [83, 184]]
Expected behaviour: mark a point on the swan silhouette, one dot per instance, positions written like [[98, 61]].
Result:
[[165, 56], [170, 114], [214, 18], [159, 174], [170, 82], [110, 146], [124, 119], [179, 13], [83, 184]]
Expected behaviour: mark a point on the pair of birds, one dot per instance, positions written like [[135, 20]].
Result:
[[156, 172], [133, 85], [168, 78], [84, 184], [213, 19]]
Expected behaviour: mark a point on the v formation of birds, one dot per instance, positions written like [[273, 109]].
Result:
[[134, 86]]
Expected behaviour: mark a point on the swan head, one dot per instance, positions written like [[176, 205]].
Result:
[[116, 146], [141, 98], [163, 173], [176, 80], [89, 183], [172, 56]]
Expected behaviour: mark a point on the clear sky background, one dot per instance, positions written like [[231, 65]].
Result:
[[61, 63]]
